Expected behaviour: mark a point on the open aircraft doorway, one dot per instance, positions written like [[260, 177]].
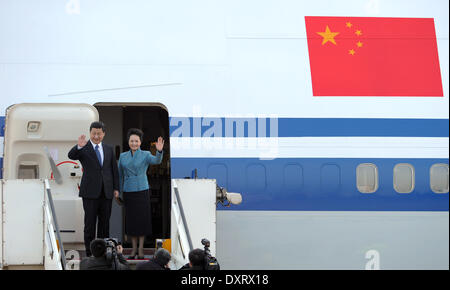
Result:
[[153, 120]]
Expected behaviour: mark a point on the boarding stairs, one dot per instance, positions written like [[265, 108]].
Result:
[[31, 236]]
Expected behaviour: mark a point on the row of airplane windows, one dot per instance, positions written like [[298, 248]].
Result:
[[368, 177], [404, 178]]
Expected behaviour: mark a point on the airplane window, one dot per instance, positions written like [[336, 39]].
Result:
[[293, 177], [439, 178], [404, 178], [330, 179], [256, 172], [367, 177]]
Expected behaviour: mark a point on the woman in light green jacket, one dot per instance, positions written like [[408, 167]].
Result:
[[133, 180]]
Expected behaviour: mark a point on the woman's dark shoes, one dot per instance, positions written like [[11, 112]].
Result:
[[130, 257], [140, 257]]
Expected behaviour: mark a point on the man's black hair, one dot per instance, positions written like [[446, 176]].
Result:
[[135, 131], [98, 247], [197, 257], [97, 125], [162, 257]]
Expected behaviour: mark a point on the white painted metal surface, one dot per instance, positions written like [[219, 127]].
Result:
[[23, 226], [198, 199], [261, 240], [232, 56], [58, 130], [199, 202], [68, 207], [27, 226]]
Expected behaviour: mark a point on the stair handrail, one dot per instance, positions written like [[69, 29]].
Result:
[[182, 228], [54, 222]]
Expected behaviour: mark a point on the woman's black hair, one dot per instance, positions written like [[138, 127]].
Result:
[[135, 131]]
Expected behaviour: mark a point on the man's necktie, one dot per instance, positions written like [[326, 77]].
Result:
[[99, 157]]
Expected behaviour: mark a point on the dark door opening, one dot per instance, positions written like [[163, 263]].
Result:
[[153, 120]]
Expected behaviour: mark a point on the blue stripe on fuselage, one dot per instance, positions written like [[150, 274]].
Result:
[[2, 126], [308, 127], [275, 185], [314, 127], [314, 184], [295, 127]]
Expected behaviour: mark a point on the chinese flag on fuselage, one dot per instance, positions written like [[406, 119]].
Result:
[[373, 56]]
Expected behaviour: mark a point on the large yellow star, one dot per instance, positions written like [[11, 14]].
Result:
[[328, 36]]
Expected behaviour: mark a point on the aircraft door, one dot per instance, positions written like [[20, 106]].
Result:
[[33, 129]]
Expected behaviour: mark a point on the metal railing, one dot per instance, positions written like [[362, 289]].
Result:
[[183, 235], [52, 228]]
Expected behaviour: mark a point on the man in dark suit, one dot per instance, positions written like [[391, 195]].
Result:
[[100, 182]]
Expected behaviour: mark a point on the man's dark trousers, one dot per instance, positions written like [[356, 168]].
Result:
[[94, 209]]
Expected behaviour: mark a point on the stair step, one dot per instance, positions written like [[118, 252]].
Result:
[[148, 252]]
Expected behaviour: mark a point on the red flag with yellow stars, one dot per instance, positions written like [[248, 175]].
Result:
[[373, 56]]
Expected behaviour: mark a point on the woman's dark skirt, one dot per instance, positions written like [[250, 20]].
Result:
[[138, 218]]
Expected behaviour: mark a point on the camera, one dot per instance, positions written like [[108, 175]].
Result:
[[210, 261], [111, 249]]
